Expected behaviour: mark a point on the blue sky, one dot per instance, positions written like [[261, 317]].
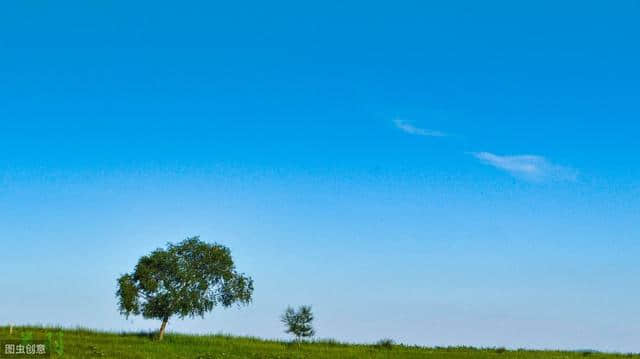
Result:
[[461, 173]]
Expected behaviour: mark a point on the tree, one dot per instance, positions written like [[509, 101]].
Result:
[[298, 322], [187, 279]]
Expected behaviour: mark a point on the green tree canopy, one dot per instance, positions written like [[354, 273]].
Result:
[[298, 322], [187, 279]]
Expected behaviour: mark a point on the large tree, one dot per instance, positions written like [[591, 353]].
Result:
[[187, 279]]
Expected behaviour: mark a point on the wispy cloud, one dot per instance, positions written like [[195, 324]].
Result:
[[528, 167], [413, 130]]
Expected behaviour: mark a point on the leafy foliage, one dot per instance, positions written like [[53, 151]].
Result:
[[187, 279], [55, 345], [298, 323], [385, 343], [26, 338]]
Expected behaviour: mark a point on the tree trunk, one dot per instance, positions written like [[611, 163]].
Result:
[[162, 328]]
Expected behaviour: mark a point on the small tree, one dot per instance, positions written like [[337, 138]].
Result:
[[298, 322], [186, 279]]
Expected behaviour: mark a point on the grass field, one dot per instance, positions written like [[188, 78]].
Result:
[[83, 343]]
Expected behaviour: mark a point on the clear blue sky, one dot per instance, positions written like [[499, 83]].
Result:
[[450, 174]]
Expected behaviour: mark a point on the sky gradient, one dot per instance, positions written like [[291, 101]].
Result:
[[459, 174]]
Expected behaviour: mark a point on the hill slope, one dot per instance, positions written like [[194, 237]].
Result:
[[83, 343]]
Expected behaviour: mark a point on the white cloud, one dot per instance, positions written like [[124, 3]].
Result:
[[411, 129], [528, 167]]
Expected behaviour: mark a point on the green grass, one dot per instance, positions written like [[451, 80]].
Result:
[[84, 343]]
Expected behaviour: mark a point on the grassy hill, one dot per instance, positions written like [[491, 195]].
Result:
[[83, 343]]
